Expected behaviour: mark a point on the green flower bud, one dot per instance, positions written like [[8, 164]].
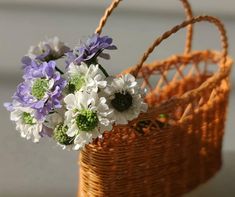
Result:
[[60, 135]]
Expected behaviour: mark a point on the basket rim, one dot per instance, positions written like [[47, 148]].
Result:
[[214, 55], [202, 55]]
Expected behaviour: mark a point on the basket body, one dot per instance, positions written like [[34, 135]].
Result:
[[154, 158]]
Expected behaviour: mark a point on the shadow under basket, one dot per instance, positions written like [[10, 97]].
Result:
[[176, 145]]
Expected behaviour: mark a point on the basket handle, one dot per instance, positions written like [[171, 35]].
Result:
[[189, 14], [187, 9], [184, 24]]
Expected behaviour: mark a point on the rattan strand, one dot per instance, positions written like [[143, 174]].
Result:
[[189, 14], [107, 13]]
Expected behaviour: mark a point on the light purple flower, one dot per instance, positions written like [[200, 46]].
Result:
[[51, 49], [42, 88], [89, 51]]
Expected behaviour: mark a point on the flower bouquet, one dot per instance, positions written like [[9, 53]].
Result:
[[74, 103]]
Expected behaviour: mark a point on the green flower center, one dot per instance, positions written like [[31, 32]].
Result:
[[60, 135], [122, 101], [27, 118], [76, 83], [87, 120], [39, 88]]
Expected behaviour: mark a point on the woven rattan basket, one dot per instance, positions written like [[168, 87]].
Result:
[[176, 145]]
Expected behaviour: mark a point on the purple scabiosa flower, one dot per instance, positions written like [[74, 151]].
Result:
[[89, 51], [50, 49], [42, 88]]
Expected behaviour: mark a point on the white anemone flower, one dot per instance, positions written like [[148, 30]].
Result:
[[86, 78], [86, 117], [26, 123], [125, 98]]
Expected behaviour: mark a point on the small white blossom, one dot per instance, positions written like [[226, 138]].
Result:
[[26, 123], [86, 117], [125, 98]]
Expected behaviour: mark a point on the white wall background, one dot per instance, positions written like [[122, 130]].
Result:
[[44, 170], [213, 6]]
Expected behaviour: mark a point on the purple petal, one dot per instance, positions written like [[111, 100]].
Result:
[[39, 104], [91, 49], [46, 132], [8, 106], [105, 56]]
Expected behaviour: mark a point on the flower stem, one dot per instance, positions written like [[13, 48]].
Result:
[[60, 71], [103, 70], [95, 61]]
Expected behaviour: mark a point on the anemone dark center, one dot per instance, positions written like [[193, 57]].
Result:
[[87, 120], [122, 101]]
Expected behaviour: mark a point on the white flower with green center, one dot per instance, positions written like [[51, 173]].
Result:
[[85, 78], [86, 117], [125, 98], [26, 123]]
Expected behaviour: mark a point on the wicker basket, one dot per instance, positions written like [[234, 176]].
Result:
[[165, 156]]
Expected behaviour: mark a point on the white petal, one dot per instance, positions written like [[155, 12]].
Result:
[[70, 101], [72, 130], [15, 115], [144, 107], [51, 84], [120, 118], [102, 84]]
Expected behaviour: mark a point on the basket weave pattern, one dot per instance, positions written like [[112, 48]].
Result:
[[154, 156]]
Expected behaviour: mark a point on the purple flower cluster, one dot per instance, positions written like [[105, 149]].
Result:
[[42, 88], [89, 51]]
